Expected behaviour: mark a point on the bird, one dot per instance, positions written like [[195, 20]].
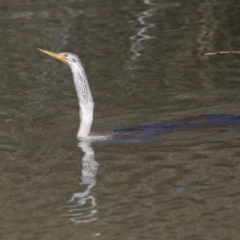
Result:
[[85, 99], [86, 108]]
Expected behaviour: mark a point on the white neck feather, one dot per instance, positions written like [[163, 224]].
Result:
[[84, 98]]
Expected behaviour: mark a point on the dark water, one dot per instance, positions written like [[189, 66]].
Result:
[[144, 60]]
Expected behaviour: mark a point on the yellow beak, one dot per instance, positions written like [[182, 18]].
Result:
[[59, 56]]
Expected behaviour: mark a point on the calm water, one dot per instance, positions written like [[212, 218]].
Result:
[[144, 60]]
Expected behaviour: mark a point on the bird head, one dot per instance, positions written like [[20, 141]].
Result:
[[68, 58]]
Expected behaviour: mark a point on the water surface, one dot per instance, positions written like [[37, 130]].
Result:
[[144, 60]]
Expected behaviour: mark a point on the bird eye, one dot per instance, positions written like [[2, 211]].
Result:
[[65, 55], [74, 60]]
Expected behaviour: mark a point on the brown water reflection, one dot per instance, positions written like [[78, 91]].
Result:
[[145, 63]]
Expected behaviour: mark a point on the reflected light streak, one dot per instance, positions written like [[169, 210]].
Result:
[[141, 34]]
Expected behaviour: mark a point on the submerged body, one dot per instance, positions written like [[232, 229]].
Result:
[[86, 106], [204, 121], [153, 130]]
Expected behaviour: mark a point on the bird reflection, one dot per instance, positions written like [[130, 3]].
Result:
[[83, 206]]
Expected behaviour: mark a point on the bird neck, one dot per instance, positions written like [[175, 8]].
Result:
[[85, 100]]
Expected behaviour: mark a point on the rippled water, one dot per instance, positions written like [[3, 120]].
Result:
[[145, 63]]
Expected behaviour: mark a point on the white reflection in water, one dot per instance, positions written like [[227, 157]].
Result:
[[83, 208], [144, 20], [141, 34]]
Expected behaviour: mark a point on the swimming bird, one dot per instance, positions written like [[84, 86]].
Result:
[[86, 106], [84, 94]]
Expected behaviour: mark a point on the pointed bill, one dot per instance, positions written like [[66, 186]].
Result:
[[59, 56]]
